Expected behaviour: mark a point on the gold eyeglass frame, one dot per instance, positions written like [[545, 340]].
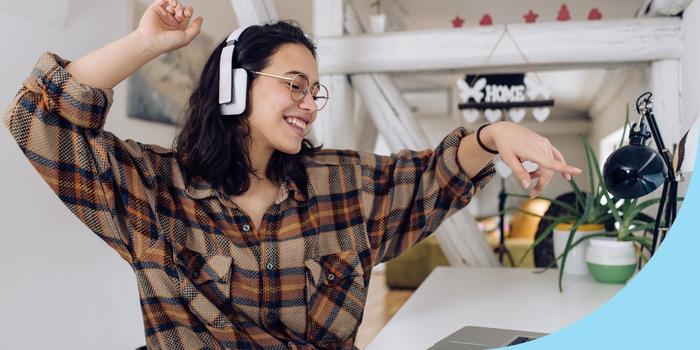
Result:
[[304, 92]]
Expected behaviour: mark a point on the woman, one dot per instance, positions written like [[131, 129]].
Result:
[[245, 235]]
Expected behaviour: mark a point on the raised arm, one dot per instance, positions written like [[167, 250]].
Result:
[[162, 28], [57, 119]]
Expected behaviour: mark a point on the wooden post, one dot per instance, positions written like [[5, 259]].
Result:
[[458, 236], [665, 83], [334, 126]]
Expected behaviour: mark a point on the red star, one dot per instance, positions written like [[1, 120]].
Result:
[[530, 17], [457, 22], [486, 20], [594, 14]]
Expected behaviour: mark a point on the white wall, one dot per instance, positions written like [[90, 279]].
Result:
[[63, 288], [690, 74], [611, 115], [689, 65]]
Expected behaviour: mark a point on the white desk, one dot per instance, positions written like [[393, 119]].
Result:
[[453, 297]]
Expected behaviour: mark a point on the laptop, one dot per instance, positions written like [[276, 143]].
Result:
[[477, 338]]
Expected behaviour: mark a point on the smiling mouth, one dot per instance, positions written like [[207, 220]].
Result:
[[297, 124]]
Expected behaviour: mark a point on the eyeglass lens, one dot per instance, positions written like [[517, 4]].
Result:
[[299, 88]]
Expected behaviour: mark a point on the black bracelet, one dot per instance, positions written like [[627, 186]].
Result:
[[478, 140]]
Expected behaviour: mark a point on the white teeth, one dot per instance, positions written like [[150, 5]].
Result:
[[294, 121]]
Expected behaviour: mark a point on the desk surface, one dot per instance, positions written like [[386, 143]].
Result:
[[453, 297]]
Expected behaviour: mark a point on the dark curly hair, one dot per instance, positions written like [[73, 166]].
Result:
[[215, 147]]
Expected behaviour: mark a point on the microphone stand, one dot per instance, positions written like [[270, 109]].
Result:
[[502, 196], [669, 194]]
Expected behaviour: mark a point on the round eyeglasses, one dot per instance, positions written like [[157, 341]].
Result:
[[299, 88]]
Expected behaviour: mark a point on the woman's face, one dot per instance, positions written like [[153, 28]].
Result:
[[277, 122]]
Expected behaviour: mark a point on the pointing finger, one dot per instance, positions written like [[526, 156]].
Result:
[[518, 170]]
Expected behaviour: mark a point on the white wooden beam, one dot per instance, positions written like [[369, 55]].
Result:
[[400, 129], [250, 12], [334, 127], [665, 82], [328, 18], [656, 8], [596, 42], [366, 137]]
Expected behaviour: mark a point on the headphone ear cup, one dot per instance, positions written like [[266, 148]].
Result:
[[239, 94]]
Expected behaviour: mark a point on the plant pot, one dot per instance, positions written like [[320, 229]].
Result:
[[610, 260], [378, 23], [576, 259]]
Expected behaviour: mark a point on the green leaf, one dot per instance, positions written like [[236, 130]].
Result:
[[609, 234], [546, 217], [542, 237], [591, 179], [567, 248], [561, 204], [627, 123], [579, 195]]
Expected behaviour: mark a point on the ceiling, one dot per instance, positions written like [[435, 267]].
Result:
[[573, 90]]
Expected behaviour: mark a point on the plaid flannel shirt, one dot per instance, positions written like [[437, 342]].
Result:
[[207, 278]]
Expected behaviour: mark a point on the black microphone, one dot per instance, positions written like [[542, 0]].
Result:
[[634, 170]]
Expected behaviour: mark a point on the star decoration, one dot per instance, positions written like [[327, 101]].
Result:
[[530, 17], [486, 20], [457, 22], [594, 14]]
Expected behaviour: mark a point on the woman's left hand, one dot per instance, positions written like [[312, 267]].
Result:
[[516, 144]]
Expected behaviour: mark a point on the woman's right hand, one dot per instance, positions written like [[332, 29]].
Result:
[[167, 24]]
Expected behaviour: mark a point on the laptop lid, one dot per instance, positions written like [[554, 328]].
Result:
[[477, 338]]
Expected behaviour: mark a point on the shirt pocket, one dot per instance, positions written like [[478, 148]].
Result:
[[335, 296], [205, 284]]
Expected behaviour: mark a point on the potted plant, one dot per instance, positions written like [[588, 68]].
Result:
[[614, 259], [615, 228], [587, 218]]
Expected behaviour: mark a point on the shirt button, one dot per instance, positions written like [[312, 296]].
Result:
[[195, 274], [246, 228], [330, 277], [270, 266], [271, 315]]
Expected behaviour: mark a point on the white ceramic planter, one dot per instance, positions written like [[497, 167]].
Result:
[[378, 23], [611, 261], [576, 259]]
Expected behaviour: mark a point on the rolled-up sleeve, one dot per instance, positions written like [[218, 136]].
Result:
[[57, 123]]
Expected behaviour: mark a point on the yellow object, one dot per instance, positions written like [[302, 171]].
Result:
[[524, 226], [409, 269], [584, 227], [415, 264]]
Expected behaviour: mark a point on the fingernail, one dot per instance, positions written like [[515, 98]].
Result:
[[526, 183], [568, 177]]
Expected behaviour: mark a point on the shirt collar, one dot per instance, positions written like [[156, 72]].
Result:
[[288, 185], [198, 188]]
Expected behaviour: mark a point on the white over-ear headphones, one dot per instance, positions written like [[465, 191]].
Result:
[[233, 82]]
